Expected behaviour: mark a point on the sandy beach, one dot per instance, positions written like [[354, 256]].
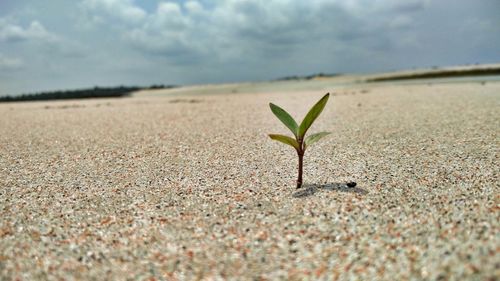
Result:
[[185, 184]]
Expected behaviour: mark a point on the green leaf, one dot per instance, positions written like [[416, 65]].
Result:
[[286, 140], [313, 113], [285, 118], [314, 138]]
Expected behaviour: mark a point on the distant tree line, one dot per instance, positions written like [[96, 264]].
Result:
[[96, 92], [440, 74], [308, 77]]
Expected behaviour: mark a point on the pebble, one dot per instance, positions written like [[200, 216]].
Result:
[[351, 184]]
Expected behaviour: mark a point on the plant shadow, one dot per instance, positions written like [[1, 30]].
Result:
[[310, 189]]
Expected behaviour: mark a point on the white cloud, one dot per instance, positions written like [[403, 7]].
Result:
[[35, 31], [8, 63], [169, 15], [194, 7], [123, 10], [231, 28], [35, 35], [226, 30]]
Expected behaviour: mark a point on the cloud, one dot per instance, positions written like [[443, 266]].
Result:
[[230, 29], [7, 63], [225, 31], [36, 36], [35, 31], [121, 10]]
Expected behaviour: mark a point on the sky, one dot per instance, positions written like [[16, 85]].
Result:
[[61, 44]]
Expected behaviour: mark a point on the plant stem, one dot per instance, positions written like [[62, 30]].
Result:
[[301, 158]]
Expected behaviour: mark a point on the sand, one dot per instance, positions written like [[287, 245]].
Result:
[[188, 186]]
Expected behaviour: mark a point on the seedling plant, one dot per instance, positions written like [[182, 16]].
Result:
[[299, 142]]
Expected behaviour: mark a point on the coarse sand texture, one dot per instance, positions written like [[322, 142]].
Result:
[[190, 187]]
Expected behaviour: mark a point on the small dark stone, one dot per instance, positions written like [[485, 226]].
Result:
[[259, 205], [351, 184]]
